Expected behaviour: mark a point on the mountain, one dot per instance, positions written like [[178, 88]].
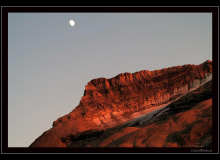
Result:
[[170, 107]]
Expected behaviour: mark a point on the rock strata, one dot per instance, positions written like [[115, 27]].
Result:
[[110, 102], [137, 91]]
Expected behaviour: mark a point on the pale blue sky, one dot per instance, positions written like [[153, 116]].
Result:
[[50, 62]]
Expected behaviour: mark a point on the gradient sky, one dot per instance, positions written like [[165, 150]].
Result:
[[50, 62]]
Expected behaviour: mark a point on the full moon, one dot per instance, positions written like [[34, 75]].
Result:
[[72, 23]]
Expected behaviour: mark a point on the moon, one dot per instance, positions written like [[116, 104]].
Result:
[[71, 22]]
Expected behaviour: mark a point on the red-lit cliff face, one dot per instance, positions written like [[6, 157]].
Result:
[[134, 92], [109, 102]]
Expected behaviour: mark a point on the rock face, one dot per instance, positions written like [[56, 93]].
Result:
[[108, 103]]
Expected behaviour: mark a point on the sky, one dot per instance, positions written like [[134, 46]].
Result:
[[50, 62]]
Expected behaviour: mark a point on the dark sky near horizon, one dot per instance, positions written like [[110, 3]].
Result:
[[50, 62]]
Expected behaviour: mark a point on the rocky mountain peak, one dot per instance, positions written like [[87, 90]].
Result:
[[136, 91], [107, 103]]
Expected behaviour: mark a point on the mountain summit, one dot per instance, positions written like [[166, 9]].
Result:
[[112, 108]]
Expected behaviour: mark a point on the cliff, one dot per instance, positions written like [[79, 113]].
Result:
[[134, 92], [187, 122], [110, 102]]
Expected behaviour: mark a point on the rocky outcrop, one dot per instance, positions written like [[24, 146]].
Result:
[[107, 103], [110, 98], [187, 122]]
